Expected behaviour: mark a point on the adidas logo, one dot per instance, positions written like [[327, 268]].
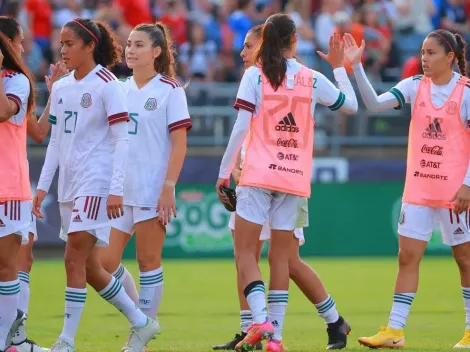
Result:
[[275, 323], [1, 223], [287, 124], [60, 101], [77, 218], [145, 209], [434, 131], [458, 231], [423, 105]]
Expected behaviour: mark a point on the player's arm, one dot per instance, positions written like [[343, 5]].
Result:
[[396, 98], [118, 116], [38, 129], [245, 104], [52, 159], [236, 172], [342, 99], [179, 124], [12, 95]]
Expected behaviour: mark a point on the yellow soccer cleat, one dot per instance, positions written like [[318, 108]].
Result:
[[386, 338], [465, 342]]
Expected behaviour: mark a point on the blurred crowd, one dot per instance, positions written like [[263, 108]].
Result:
[[209, 34]]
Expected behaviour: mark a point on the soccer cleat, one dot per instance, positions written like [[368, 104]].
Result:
[[231, 344], [26, 346], [20, 318], [255, 334], [139, 337], [274, 346], [386, 338], [62, 346], [465, 342], [338, 334]]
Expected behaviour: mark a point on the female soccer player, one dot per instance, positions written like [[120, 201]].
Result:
[[36, 130], [276, 101], [438, 173], [160, 120], [299, 271], [16, 102], [89, 143]]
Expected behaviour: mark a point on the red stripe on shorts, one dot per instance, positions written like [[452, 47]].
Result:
[[18, 204], [86, 204], [97, 209], [450, 214]]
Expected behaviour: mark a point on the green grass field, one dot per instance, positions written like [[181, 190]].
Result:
[[200, 306]]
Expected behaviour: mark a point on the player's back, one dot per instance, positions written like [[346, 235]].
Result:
[[84, 135]]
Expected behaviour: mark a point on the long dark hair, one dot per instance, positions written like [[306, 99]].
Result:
[[108, 51], [160, 36], [278, 31], [9, 29], [452, 43]]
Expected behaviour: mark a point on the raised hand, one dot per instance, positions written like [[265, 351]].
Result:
[[57, 71], [352, 52], [335, 56]]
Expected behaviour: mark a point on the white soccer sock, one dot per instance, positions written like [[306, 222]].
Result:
[[9, 292], [151, 291], [23, 304], [74, 302], [245, 320], [327, 310], [257, 301], [127, 281], [466, 301], [400, 310], [277, 304], [115, 294]]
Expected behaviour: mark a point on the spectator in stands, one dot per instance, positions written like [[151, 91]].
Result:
[[240, 22], [454, 17], [213, 27], [198, 57], [325, 24], [175, 18], [70, 10], [412, 66], [109, 12], [33, 57], [135, 12], [40, 22], [305, 33], [414, 16]]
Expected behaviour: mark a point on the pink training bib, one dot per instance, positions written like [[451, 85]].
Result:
[[438, 148], [279, 147]]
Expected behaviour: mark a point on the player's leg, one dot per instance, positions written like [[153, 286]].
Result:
[[111, 255], [150, 236], [313, 288], [252, 212], [415, 228], [456, 233]]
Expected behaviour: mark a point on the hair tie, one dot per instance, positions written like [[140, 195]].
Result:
[[84, 27]]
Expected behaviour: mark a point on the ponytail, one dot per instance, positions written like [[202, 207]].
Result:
[[276, 36], [461, 54], [11, 61], [165, 63]]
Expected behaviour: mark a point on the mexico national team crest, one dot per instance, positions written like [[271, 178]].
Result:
[[86, 100], [451, 108], [151, 104]]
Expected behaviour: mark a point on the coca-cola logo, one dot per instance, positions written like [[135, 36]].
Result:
[[433, 150], [287, 143]]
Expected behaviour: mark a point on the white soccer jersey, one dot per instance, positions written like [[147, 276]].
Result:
[[405, 92], [16, 86], [155, 111], [81, 114], [324, 92]]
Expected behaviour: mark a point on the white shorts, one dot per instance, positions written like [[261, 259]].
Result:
[[266, 231], [418, 222], [15, 218], [86, 214], [33, 228], [132, 216], [259, 205]]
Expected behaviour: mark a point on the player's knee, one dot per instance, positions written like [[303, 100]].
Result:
[[26, 262], [148, 262], [74, 260], [295, 266], [408, 257], [463, 261], [110, 264]]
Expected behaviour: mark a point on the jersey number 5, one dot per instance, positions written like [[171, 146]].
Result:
[[133, 116], [70, 124]]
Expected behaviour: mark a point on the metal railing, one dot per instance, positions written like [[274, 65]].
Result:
[[212, 114]]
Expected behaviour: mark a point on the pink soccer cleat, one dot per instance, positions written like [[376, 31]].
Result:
[[255, 334], [275, 346]]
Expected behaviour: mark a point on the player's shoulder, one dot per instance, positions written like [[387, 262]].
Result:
[[14, 76], [253, 71], [64, 80], [104, 76], [168, 82]]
